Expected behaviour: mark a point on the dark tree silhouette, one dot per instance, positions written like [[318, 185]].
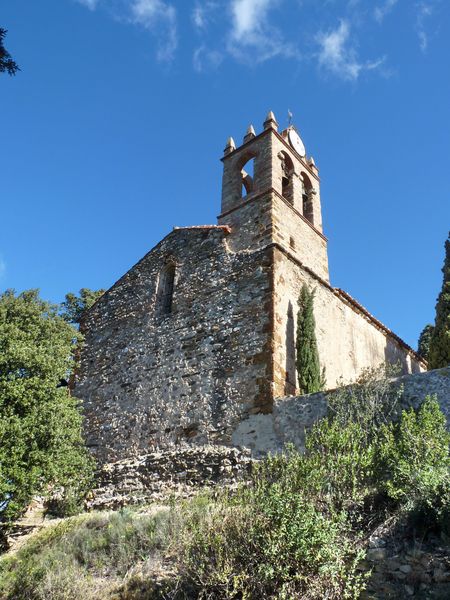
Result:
[[424, 341], [439, 351], [7, 64]]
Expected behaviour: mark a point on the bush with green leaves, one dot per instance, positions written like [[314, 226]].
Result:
[[268, 541], [413, 460], [423, 346], [41, 444], [297, 529]]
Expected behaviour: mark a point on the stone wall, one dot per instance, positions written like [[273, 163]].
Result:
[[348, 340], [155, 476], [150, 380], [293, 416]]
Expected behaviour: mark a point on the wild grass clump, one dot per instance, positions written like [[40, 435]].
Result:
[[82, 557]]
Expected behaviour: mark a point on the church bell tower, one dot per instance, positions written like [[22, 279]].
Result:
[[271, 196]]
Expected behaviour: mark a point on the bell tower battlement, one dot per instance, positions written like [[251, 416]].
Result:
[[271, 195]]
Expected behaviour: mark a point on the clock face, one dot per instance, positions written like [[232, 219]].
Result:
[[296, 142]]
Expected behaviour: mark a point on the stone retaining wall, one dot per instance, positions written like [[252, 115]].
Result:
[[294, 415], [155, 476]]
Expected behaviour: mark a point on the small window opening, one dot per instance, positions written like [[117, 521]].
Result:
[[247, 178], [165, 290], [292, 242]]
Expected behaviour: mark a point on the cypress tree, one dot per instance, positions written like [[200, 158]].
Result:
[[423, 347], [310, 377], [439, 354]]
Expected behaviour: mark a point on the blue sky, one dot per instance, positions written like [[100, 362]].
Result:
[[112, 133]]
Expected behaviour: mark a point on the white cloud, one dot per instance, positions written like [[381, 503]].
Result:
[[91, 4], [251, 34], [384, 9], [337, 56], [252, 38], [2, 267], [150, 14], [198, 16], [424, 11], [201, 14], [249, 16]]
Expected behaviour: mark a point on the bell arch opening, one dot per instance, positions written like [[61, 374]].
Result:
[[307, 196], [287, 174], [246, 168]]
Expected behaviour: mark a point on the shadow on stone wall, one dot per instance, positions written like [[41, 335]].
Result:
[[289, 386]]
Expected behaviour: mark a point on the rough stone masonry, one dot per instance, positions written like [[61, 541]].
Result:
[[199, 335]]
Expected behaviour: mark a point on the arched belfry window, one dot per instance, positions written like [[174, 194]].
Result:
[[164, 298], [247, 167], [287, 173], [308, 194]]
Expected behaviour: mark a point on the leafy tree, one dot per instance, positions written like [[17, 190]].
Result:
[[424, 341], [310, 377], [439, 353], [6, 62], [74, 306], [41, 445]]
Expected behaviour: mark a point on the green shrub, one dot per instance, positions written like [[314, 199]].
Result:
[[413, 460], [297, 527], [267, 543], [339, 462]]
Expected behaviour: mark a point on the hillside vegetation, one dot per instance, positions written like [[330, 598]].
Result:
[[297, 529]]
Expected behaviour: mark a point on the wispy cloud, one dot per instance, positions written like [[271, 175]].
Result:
[[249, 16], [336, 54], [249, 31], [91, 4], [424, 11], [202, 13], [154, 13], [157, 16], [205, 59], [252, 38], [384, 9]]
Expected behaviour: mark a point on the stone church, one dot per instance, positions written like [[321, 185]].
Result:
[[200, 333]]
